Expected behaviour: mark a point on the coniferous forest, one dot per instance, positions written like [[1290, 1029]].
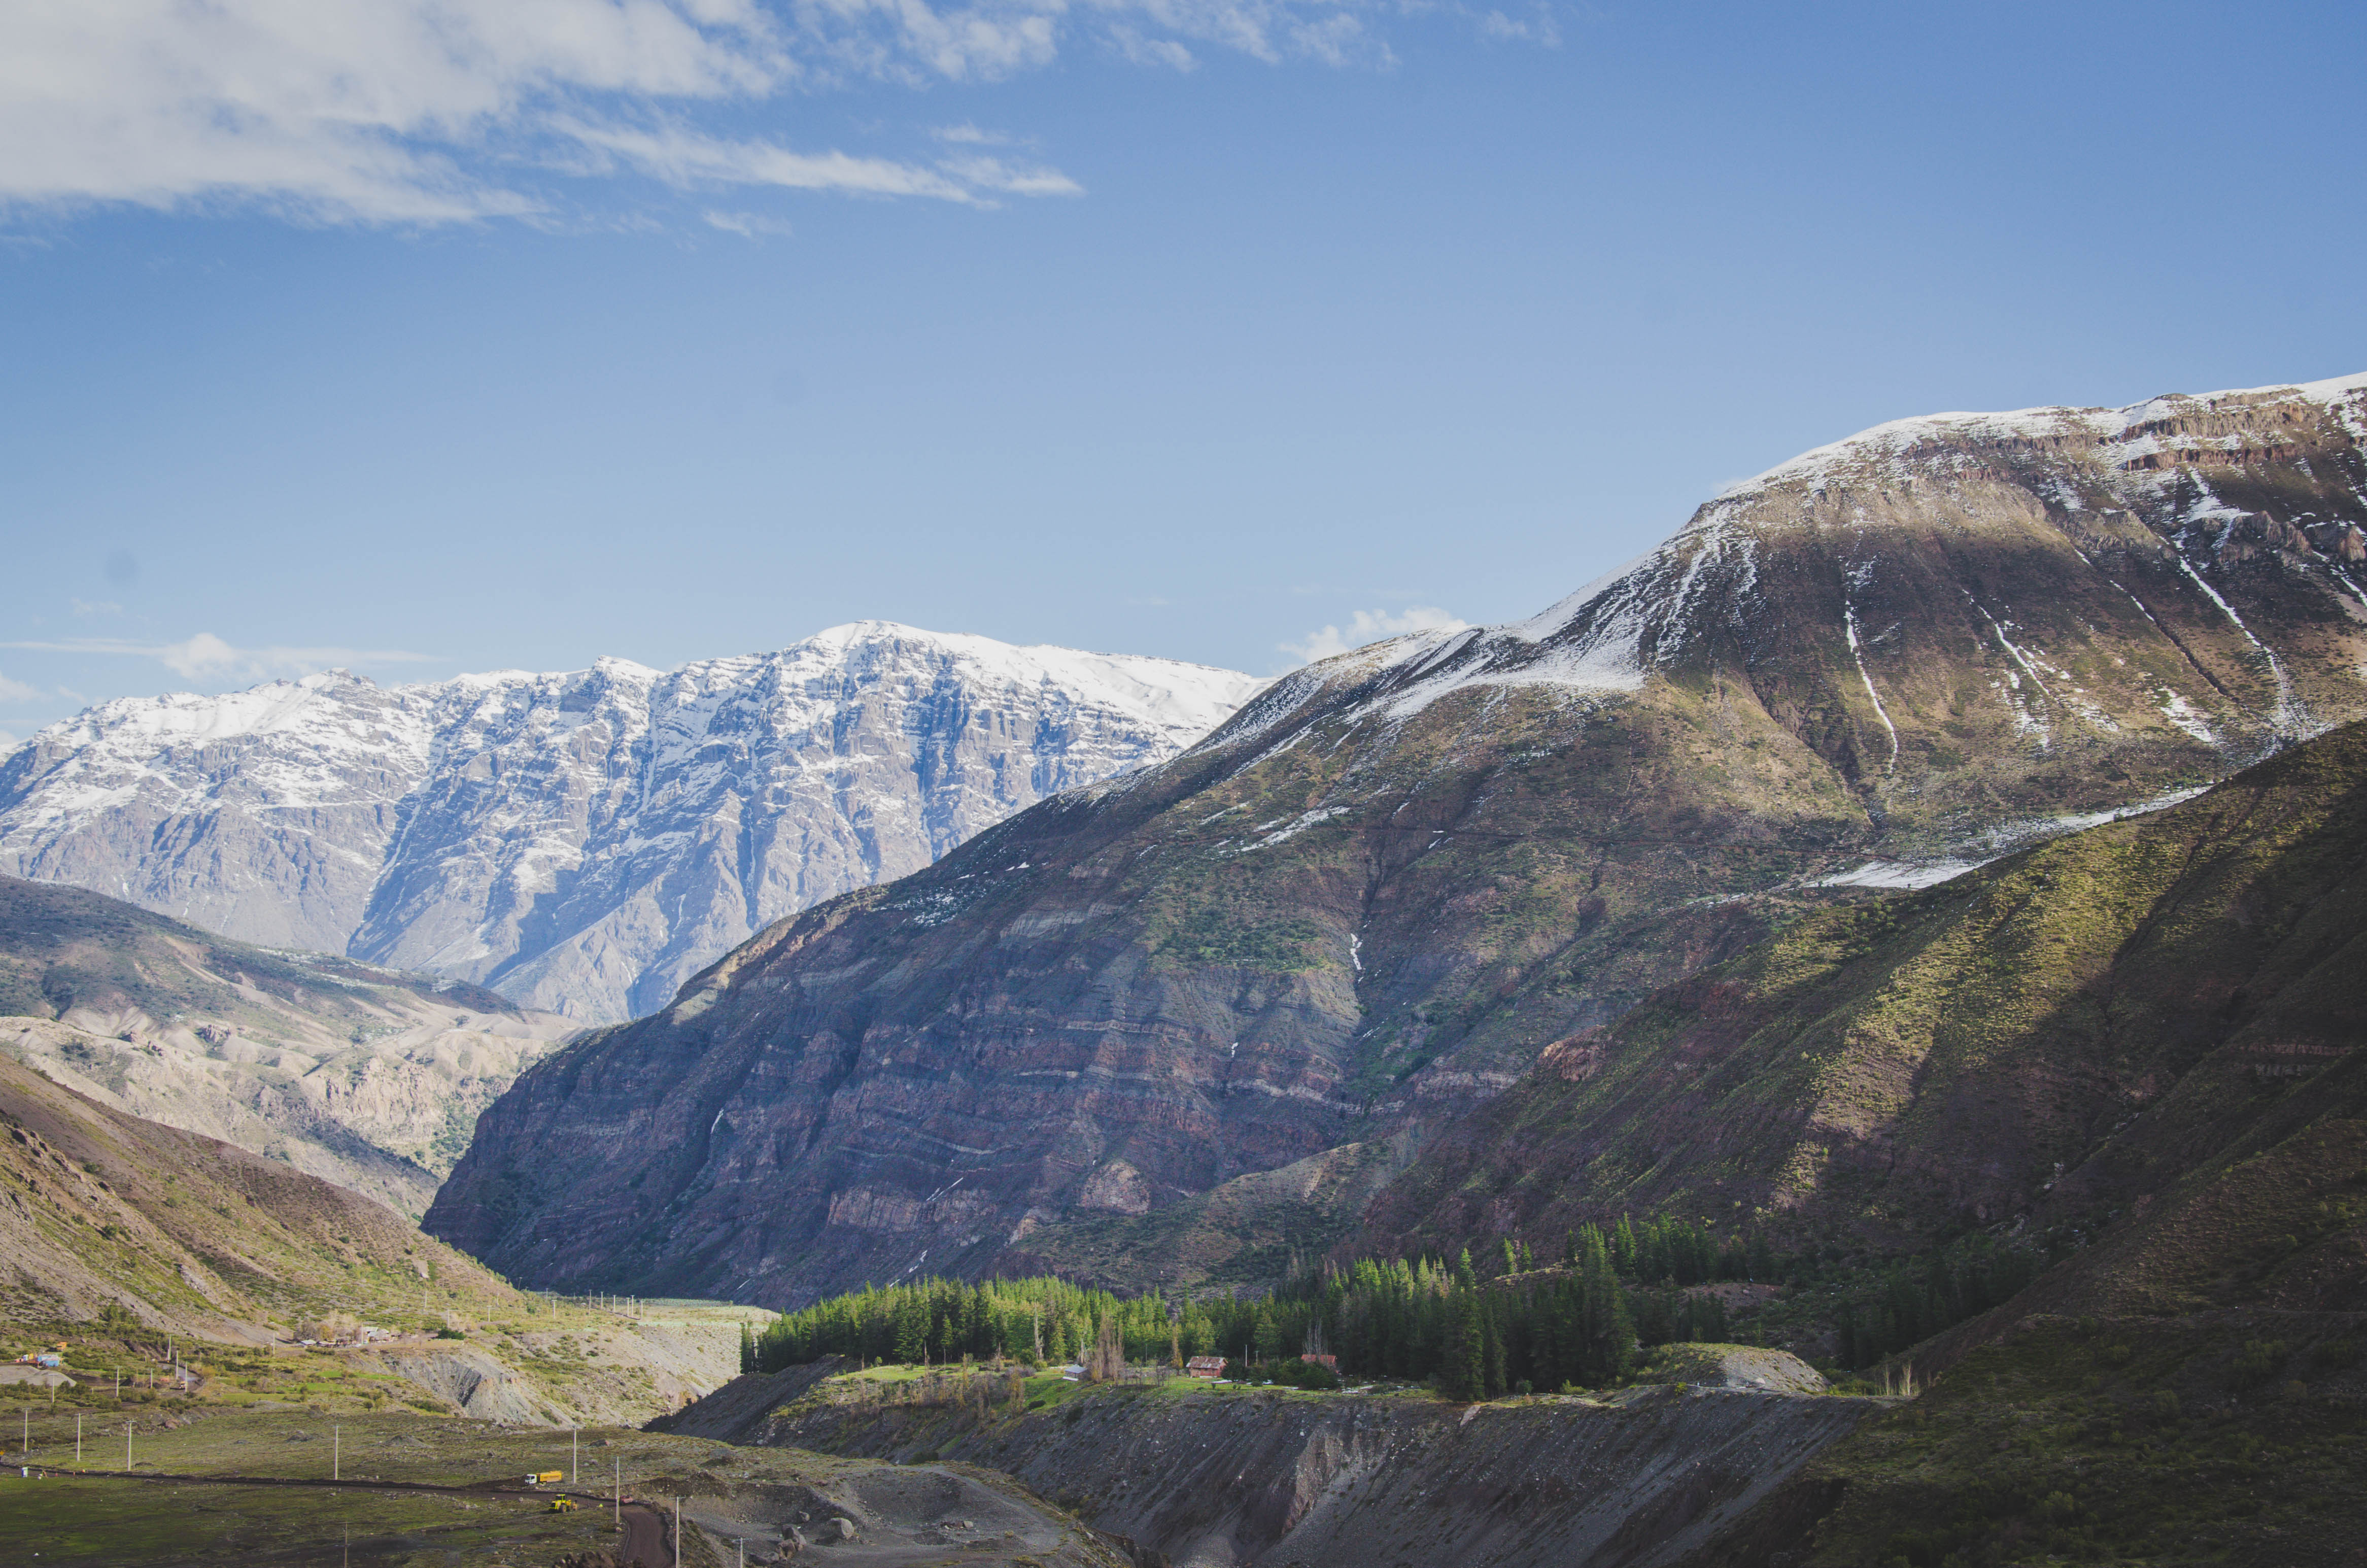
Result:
[[1505, 1323]]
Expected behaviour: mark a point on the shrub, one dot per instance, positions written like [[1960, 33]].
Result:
[[2258, 1360]]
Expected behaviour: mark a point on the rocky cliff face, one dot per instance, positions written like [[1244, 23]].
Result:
[[583, 842], [1368, 901]]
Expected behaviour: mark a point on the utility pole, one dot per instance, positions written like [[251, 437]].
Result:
[[127, 1447], [574, 1456], [77, 1442], [336, 1451]]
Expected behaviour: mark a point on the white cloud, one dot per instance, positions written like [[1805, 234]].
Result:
[[1371, 626], [17, 691], [747, 225], [993, 173], [95, 607], [9, 743], [206, 655], [430, 111], [1540, 29]]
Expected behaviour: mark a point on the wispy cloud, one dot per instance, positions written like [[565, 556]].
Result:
[[747, 225], [434, 111], [95, 607], [1537, 27], [1371, 626], [17, 691], [206, 656], [685, 158]]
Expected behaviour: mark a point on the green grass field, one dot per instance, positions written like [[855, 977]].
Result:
[[89, 1520]]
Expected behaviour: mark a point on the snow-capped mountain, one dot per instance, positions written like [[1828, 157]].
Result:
[[581, 842], [1371, 899]]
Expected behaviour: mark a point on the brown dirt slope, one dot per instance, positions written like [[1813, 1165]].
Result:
[[101, 1209], [369, 1077]]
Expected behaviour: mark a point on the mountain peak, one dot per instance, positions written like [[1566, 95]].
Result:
[[674, 811], [2123, 434]]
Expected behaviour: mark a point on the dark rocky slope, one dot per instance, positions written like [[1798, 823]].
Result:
[[2071, 1031], [1367, 903], [1220, 1480], [2192, 1388]]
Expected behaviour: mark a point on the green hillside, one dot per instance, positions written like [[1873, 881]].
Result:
[[2047, 1042]]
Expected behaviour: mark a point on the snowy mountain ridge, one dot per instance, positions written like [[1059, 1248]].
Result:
[[2166, 459], [584, 840]]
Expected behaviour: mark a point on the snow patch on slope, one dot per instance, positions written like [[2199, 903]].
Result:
[[2344, 398]]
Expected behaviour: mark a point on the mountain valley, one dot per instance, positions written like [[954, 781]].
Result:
[[1919, 901]]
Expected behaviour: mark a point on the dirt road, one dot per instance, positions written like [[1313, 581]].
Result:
[[645, 1538]]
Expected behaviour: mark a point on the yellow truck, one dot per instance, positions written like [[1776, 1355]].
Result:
[[544, 1478]]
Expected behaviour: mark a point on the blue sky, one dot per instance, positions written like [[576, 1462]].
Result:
[[430, 335]]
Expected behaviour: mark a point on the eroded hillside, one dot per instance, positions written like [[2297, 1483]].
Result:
[[367, 1077]]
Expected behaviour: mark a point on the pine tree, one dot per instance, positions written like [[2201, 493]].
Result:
[[1493, 1330], [1466, 1349], [747, 1348], [912, 1321]]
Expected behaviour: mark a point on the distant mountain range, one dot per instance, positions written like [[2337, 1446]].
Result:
[[581, 843], [1368, 901]]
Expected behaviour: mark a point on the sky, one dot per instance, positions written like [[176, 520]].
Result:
[[423, 337]]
